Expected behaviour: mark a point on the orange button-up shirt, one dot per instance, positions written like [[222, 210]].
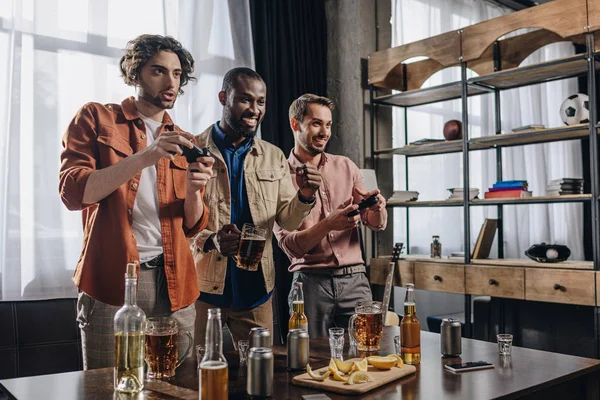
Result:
[[100, 136]]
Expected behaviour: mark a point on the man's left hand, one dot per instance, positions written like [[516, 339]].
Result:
[[198, 174], [309, 181], [364, 194]]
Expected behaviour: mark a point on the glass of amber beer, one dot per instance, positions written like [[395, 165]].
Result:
[[161, 345], [252, 245], [366, 325]]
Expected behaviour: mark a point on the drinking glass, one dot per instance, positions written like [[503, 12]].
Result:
[[336, 342], [366, 325], [252, 245], [243, 346], [161, 345], [397, 344], [505, 344]]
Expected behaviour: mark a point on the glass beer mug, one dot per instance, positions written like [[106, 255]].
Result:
[[161, 345], [252, 245], [366, 325]]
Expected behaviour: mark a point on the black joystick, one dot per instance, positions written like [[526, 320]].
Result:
[[365, 203]]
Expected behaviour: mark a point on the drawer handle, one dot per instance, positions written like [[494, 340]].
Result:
[[437, 278], [493, 282], [559, 287]]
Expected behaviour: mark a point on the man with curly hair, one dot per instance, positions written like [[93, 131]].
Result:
[[140, 199]]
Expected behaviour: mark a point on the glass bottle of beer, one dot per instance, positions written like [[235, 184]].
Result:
[[410, 329], [129, 338], [214, 375], [298, 319]]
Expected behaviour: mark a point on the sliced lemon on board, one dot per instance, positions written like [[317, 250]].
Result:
[[382, 362], [337, 376], [343, 366], [315, 375], [400, 362], [333, 366], [362, 365], [359, 377]]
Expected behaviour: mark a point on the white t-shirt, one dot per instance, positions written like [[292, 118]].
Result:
[[146, 224]]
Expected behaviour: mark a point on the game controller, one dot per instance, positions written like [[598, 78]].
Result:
[[192, 154], [365, 203]]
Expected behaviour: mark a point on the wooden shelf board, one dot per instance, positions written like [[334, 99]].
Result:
[[570, 198], [411, 98], [525, 262], [532, 136], [426, 203], [536, 73], [502, 262]]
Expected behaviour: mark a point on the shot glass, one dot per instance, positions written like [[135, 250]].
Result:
[[243, 346], [397, 344], [505, 344], [200, 351], [336, 342]]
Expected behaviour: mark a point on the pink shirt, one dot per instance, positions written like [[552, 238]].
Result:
[[339, 248]]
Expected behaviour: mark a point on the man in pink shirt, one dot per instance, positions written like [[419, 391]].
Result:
[[325, 249]]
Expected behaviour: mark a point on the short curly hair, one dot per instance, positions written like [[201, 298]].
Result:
[[144, 47]]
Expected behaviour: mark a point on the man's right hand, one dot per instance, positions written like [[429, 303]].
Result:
[[227, 240], [338, 220], [166, 145]]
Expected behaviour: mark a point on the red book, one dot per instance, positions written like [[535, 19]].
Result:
[[507, 194]]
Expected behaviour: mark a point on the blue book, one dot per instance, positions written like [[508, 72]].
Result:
[[510, 184]]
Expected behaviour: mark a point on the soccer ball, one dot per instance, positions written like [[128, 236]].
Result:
[[575, 109]]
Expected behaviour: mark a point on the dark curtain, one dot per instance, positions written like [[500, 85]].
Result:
[[290, 49]]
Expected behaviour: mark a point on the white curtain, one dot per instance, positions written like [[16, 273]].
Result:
[[56, 55], [524, 225]]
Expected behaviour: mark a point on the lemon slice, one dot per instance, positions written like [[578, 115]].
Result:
[[343, 366], [400, 362], [361, 365], [337, 376], [333, 366], [359, 377], [382, 362], [316, 376]]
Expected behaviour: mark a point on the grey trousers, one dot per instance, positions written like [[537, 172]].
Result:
[[329, 300], [96, 319]]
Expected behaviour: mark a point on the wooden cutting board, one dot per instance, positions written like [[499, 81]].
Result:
[[380, 378]]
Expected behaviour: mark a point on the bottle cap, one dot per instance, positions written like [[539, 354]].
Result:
[[131, 270]]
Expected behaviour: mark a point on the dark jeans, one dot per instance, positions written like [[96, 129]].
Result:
[[329, 300]]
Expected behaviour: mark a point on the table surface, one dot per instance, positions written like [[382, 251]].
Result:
[[525, 372]]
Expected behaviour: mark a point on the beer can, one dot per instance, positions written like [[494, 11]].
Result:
[[260, 372], [297, 349], [450, 337], [260, 337]]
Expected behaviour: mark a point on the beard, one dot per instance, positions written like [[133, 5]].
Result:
[[146, 94], [236, 125]]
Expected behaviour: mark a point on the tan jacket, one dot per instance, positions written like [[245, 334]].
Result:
[[271, 196]]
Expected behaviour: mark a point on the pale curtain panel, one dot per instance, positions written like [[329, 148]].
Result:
[[56, 55], [431, 176]]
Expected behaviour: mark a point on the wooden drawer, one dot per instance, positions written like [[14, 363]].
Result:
[[403, 273], [442, 278], [560, 286], [495, 281]]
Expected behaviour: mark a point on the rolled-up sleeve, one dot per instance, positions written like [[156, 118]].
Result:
[[78, 159], [288, 243]]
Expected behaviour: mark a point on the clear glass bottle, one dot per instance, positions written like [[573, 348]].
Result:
[[298, 319], [410, 329], [436, 247], [129, 338], [214, 374]]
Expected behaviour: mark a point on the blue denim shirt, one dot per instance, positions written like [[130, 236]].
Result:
[[243, 289]]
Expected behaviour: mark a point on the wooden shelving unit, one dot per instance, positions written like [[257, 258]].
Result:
[[498, 61]]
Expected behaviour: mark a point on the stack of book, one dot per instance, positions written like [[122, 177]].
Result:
[[404, 195], [458, 193], [561, 187], [508, 190]]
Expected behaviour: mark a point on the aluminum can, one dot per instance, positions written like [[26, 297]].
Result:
[[259, 381], [260, 337], [450, 337], [297, 349]]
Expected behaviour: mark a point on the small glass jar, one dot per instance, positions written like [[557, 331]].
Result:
[[436, 247]]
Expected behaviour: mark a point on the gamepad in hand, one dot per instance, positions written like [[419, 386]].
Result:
[[191, 155], [365, 203]]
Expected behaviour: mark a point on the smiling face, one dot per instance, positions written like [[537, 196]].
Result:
[[314, 131], [244, 106], [159, 80]]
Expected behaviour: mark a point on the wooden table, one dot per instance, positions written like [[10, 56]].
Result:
[[527, 374]]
